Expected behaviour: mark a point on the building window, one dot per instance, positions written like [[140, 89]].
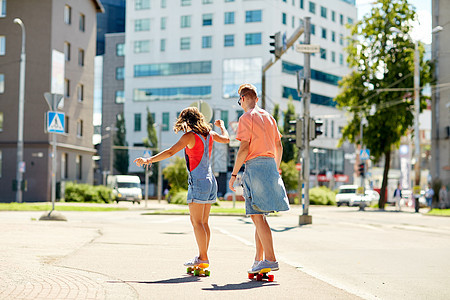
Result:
[[67, 87], [142, 25], [80, 92], [333, 56], [185, 2], [78, 167], [80, 57], [229, 17], [2, 8], [312, 7], [252, 16], [67, 51], [229, 0], [207, 1], [293, 22], [324, 33], [323, 12], [137, 122], [313, 29], [302, 6], [323, 53], [170, 69], [1, 121], [162, 46], [333, 36], [141, 4], [207, 19], [185, 21], [120, 97], [120, 49], [82, 24], [207, 41], [120, 73], [79, 128], [163, 23], [66, 124], [333, 16], [2, 83], [64, 165], [341, 59], [253, 39], [165, 121], [341, 19], [163, 3], [141, 46], [185, 43], [172, 93], [2, 45], [224, 117], [228, 40], [349, 20], [341, 39], [283, 18], [67, 14], [239, 113]]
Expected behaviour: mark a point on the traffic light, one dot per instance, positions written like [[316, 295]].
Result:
[[277, 44], [361, 169], [315, 129], [296, 132]]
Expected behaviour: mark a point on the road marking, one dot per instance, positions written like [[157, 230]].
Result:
[[299, 267]]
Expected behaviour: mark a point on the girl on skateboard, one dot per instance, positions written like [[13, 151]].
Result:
[[197, 142]]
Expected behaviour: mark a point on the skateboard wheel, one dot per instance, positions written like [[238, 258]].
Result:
[[251, 275], [207, 273], [196, 272], [270, 277], [189, 270], [259, 277]]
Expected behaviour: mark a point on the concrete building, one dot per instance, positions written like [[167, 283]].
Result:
[[111, 21], [60, 50], [180, 52], [440, 136]]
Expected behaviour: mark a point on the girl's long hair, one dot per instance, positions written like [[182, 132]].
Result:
[[193, 118]]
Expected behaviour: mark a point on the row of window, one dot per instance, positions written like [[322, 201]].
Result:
[[67, 53], [65, 166], [145, 4], [323, 10], [169, 69], [68, 18]]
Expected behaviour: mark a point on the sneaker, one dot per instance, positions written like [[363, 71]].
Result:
[[265, 264], [255, 264], [195, 262]]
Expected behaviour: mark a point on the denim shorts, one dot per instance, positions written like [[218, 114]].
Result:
[[263, 187], [202, 190]]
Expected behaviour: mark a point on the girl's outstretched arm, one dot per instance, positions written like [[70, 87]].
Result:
[[187, 139], [223, 137]]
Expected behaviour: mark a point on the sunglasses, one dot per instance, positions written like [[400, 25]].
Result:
[[240, 97]]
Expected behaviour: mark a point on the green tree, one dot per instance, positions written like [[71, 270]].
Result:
[[382, 59], [177, 175], [151, 141], [120, 155], [276, 112], [289, 149]]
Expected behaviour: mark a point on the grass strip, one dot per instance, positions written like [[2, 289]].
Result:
[[439, 212]]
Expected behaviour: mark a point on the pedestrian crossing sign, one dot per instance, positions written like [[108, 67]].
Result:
[[55, 122], [364, 154]]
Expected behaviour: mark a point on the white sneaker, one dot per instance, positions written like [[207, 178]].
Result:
[[255, 264], [265, 264], [195, 262]]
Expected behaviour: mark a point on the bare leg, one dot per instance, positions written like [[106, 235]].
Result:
[[259, 248], [201, 231], [265, 236], [206, 210]]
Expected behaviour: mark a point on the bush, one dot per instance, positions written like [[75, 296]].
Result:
[[75, 192], [179, 197], [322, 196]]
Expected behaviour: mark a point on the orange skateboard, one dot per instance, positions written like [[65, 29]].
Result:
[[263, 274], [199, 270]]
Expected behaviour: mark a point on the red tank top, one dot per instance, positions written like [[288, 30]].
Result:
[[195, 153]]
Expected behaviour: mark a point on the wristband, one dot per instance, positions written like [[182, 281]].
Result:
[[233, 175]]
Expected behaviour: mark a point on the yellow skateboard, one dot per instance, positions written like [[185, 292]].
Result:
[[199, 270], [263, 274]]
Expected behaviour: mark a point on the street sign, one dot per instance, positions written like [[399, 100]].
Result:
[[55, 122], [146, 154], [364, 154], [307, 48], [298, 166]]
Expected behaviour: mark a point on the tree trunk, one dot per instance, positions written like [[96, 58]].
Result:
[[387, 165]]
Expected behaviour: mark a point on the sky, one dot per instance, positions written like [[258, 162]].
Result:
[[422, 28]]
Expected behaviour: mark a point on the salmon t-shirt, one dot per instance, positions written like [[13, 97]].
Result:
[[260, 129]]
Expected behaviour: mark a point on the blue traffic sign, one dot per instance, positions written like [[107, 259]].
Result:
[[364, 154], [55, 122]]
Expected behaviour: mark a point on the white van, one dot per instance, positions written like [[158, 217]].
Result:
[[125, 188], [347, 195]]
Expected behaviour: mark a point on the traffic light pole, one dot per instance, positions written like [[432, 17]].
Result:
[[305, 218]]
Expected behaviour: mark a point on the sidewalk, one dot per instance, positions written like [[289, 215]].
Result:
[[125, 255]]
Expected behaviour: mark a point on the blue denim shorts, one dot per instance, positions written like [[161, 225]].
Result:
[[264, 190], [203, 190]]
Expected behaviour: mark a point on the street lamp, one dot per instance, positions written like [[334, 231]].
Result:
[[20, 163]]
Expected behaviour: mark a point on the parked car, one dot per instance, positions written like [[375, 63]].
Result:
[[347, 195], [125, 188]]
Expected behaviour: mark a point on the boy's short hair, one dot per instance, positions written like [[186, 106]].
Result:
[[248, 89]]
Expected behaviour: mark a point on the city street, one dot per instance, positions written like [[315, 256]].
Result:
[[344, 254]]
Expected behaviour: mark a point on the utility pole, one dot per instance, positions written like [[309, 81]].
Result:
[[416, 189], [159, 184], [20, 163]]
